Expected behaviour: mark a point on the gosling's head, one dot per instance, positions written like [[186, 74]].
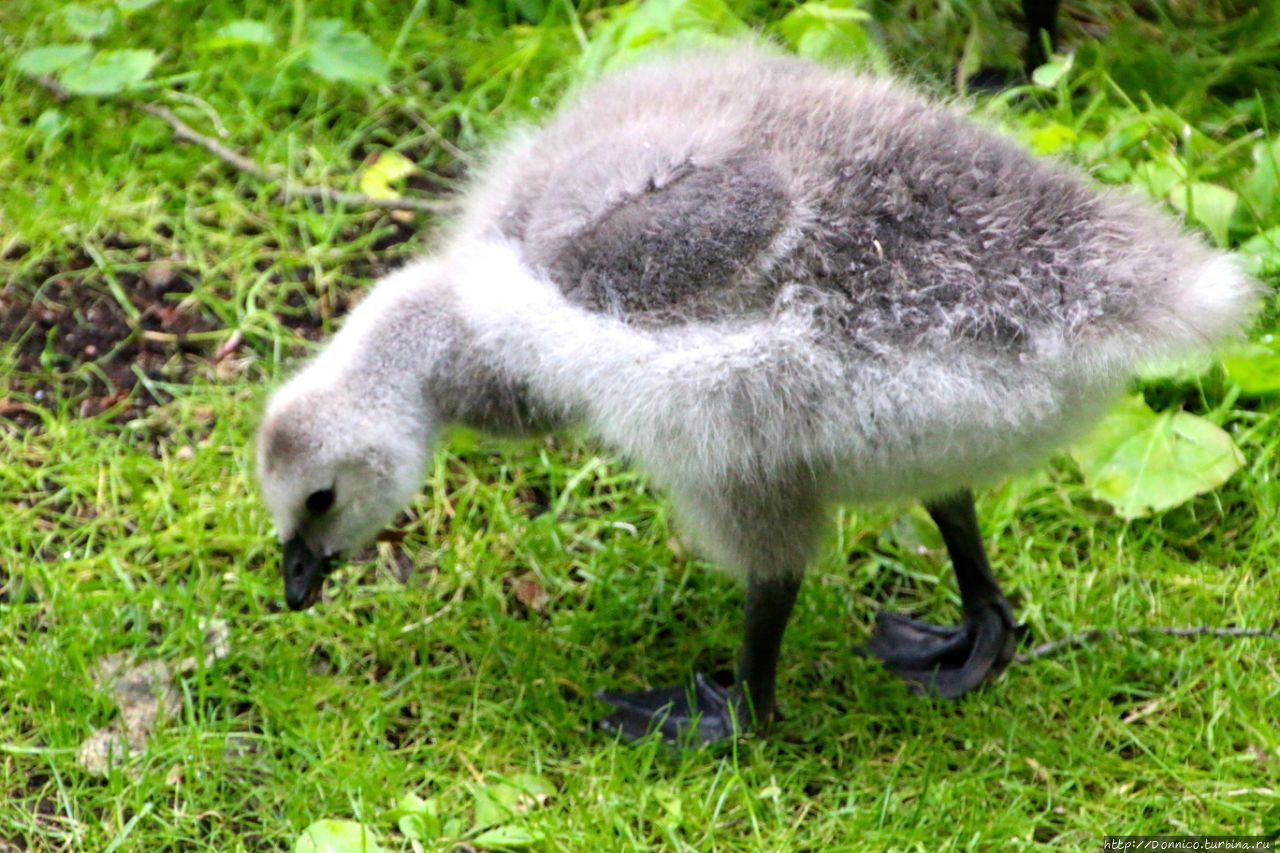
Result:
[[335, 466]]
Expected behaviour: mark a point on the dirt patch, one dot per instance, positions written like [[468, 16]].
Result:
[[89, 343], [94, 344]]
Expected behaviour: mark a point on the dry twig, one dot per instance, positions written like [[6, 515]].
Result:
[[271, 174], [1093, 634]]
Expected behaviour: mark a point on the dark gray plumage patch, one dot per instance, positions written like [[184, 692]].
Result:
[[669, 245], [280, 441]]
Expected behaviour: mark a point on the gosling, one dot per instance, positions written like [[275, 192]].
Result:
[[775, 286]]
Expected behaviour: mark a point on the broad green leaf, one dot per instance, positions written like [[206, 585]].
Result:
[[1262, 253], [241, 32], [390, 167], [1158, 177], [417, 819], [419, 827], [342, 55], [1262, 189], [109, 73], [1255, 366], [1208, 204], [524, 791], [131, 6], [831, 30], [52, 58], [1053, 71], [409, 804], [337, 836], [506, 838], [1142, 462], [1113, 171], [514, 795], [489, 811], [85, 22], [635, 27], [1051, 138]]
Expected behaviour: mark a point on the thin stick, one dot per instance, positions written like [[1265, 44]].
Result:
[[288, 189], [1093, 634], [432, 131]]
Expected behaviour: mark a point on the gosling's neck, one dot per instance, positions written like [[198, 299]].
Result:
[[468, 386], [407, 349]]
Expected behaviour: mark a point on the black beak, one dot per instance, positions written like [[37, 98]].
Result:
[[304, 573]]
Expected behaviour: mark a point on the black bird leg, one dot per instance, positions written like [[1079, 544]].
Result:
[[1041, 20], [705, 712], [768, 610], [1042, 24], [945, 660]]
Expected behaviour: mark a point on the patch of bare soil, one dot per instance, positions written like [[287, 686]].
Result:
[[85, 342], [101, 345]]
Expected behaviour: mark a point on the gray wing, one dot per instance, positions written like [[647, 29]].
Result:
[[676, 245]]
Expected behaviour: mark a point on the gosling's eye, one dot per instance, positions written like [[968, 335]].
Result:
[[320, 502]]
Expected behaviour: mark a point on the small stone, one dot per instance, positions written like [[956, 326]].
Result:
[[102, 750], [160, 275], [531, 594]]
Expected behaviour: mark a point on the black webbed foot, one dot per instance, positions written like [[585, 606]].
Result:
[[945, 661], [701, 713], [990, 80]]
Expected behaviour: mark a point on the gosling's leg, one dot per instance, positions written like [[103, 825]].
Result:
[[703, 711], [768, 610], [1042, 21], [1041, 18], [945, 660]]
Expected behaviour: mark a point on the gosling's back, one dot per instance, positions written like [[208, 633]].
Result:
[[732, 185]]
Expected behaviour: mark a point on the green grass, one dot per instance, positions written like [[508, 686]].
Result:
[[136, 525]]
